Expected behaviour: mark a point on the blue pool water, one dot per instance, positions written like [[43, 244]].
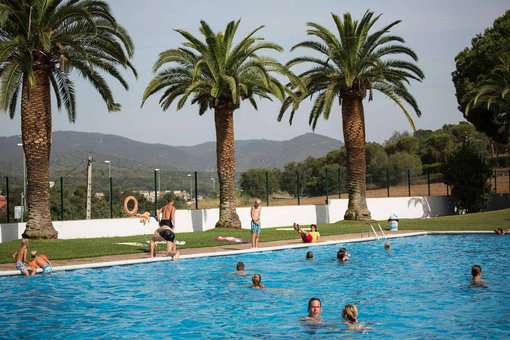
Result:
[[421, 290]]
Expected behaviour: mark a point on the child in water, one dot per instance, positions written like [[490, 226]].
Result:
[[257, 281], [350, 316]]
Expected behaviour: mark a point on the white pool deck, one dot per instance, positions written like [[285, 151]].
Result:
[[220, 250]]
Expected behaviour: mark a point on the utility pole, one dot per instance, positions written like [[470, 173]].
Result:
[[89, 187]]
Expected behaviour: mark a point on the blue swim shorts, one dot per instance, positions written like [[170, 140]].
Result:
[[255, 227], [21, 267]]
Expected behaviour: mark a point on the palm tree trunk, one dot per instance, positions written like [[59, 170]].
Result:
[[226, 165], [353, 121], [36, 137]]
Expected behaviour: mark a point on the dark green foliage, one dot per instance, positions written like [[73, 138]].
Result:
[[253, 182], [473, 65], [468, 172]]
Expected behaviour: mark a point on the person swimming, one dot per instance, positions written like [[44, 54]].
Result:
[[256, 281], [309, 255], [342, 255], [314, 310], [476, 273], [350, 316], [240, 268]]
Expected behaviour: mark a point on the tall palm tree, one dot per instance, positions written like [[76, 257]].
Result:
[[493, 90], [218, 74], [348, 66], [41, 41]]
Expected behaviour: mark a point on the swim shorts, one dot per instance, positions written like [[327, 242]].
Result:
[[167, 223], [21, 267], [255, 227], [167, 235]]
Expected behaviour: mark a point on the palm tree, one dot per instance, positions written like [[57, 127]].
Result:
[[348, 67], [493, 90], [41, 41], [218, 74]]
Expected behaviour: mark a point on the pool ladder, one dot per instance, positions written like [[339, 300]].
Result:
[[383, 235]]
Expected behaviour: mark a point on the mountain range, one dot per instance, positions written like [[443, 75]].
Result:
[[70, 149]]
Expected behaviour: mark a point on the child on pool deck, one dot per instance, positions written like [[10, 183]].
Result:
[[20, 256], [39, 261], [255, 223]]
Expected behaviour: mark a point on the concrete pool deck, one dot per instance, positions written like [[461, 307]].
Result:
[[7, 269]]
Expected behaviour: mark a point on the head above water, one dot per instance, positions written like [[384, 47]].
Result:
[[342, 254], [314, 307], [240, 266], [350, 313], [309, 254], [256, 279], [476, 270]]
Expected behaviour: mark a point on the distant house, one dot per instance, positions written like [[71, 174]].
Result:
[[99, 195]]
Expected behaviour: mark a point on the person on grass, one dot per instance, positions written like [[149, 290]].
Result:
[[311, 236], [256, 228]]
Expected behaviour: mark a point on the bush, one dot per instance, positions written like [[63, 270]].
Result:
[[399, 163], [468, 172]]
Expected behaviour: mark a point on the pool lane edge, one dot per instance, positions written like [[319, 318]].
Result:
[[246, 251]]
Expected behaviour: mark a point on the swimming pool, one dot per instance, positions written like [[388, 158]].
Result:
[[420, 290]]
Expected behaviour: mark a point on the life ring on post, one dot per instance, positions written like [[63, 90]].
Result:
[[134, 210]]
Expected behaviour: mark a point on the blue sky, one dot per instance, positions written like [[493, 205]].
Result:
[[436, 30]]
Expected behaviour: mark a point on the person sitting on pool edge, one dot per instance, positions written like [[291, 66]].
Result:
[[311, 236], [256, 281], [314, 310], [309, 255], [476, 273], [342, 255], [240, 268], [39, 261]]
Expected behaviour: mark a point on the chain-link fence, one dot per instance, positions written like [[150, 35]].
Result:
[[197, 190]]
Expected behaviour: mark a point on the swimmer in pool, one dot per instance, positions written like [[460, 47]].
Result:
[[314, 310], [350, 316], [342, 255], [309, 255], [240, 269], [256, 281], [476, 273]]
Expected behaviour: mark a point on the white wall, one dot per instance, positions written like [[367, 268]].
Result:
[[205, 219]]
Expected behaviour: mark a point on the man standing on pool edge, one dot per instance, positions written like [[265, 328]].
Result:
[[165, 232], [255, 223]]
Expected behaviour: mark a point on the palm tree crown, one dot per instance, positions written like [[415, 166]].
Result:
[[58, 36], [354, 62], [216, 72]]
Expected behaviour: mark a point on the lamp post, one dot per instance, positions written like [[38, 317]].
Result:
[[190, 187], [24, 195], [156, 172], [110, 186], [213, 184]]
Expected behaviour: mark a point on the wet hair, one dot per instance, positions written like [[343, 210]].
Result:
[[312, 300], [476, 270], [387, 246], [240, 266], [309, 254], [254, 276], [342, 252], [350, 313], [314, 227]]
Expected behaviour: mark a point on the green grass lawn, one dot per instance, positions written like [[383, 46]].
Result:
[[79, 248]]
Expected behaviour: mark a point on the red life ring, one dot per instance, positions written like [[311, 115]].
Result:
[[127, 200]]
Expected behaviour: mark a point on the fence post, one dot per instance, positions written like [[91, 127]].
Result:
[[326, 184], [428, 180], [447, 190], [196, 189], [339, 185], [297, 188], [156, 193], [495, 181], [111, 197], [267, 189], [7, 197], [61, 198], [387, 183], [409, 182]]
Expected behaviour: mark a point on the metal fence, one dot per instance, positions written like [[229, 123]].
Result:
[[194, 190]]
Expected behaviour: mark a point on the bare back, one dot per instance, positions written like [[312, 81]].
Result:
[[168, 212]]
